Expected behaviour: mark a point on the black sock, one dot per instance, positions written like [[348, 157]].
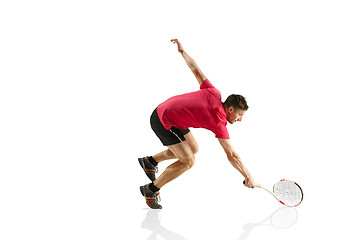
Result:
[[153, 188], [153, 161]]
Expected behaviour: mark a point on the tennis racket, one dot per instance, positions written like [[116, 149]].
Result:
[[286, 192]]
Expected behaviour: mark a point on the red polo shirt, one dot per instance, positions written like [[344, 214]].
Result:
[[200, 109]]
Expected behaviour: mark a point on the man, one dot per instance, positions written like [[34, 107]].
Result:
[[171, 120]]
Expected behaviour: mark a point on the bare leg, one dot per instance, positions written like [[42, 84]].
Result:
[[168, 154], [171, 172], [165, 155], [186, 160]]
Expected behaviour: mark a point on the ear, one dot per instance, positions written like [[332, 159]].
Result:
[[231, 109]]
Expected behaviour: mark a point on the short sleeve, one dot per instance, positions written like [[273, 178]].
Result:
[[222, 132], [206, 84]]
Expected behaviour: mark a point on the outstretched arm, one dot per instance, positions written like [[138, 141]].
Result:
[[235, 160], [191, 63]]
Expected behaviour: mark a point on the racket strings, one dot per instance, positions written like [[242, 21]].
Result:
[[288, 192]]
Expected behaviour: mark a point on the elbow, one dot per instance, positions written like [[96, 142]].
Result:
[[231, 154], [234, 158], [195, 69]]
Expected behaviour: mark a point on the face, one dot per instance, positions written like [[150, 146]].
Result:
[[234, 115]]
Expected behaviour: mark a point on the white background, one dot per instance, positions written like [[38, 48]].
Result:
[[79, 80]]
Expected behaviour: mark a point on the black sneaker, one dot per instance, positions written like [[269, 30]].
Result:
[[152, 198], [149, 169]]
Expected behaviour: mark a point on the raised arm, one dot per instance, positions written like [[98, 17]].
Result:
[[191, 63], [235, 160]]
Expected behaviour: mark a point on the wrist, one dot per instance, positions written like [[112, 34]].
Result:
[[248, 177]]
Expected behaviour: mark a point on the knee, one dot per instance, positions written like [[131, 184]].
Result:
[[188, 161], [194, 148]]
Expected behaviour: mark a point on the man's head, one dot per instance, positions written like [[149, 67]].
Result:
[[235, 107]]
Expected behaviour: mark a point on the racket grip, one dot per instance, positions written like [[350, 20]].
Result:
[[256, 185]]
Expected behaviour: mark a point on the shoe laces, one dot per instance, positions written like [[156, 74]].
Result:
[[157, 197]]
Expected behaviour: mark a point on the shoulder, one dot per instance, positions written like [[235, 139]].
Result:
[[206, 84]]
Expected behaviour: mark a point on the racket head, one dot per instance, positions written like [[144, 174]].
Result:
[[288, 193]]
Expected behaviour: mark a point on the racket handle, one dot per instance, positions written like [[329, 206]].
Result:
[[256, 185]]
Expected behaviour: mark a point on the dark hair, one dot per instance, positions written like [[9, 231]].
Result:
[[237, 101]]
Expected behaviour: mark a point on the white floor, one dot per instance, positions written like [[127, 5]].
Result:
[[80, 79], [88, 197]]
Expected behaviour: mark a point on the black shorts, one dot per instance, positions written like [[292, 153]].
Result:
[[167, 137]]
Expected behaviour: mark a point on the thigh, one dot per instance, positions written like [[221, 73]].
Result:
[[192, 142], [182, 151]]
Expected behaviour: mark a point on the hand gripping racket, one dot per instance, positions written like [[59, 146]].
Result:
[[286, 192]]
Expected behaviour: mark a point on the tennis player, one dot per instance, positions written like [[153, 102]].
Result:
[[171, 121]]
